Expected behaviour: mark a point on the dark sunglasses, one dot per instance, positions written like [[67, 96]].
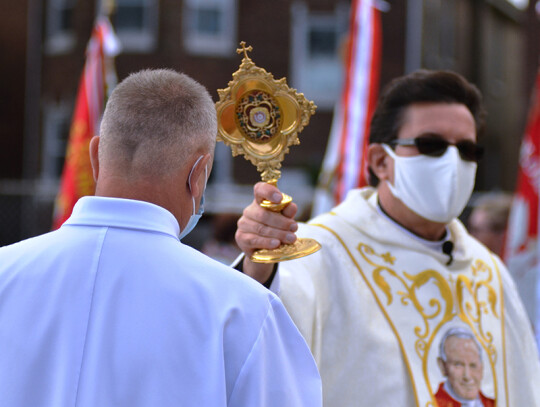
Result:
[[436, 147]]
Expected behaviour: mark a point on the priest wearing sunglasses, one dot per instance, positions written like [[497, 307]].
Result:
[[397, 268]]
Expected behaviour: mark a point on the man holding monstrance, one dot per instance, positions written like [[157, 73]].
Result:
[[396, 268]]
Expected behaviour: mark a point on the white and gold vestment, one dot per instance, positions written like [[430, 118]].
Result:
[[374, 302]]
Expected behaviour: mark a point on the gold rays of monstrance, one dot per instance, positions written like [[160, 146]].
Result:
[[260, 118]]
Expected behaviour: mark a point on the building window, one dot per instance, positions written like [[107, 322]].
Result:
[[210, 27], [60, 34], [316, 65], [57, 121], [519, 4], [135, 23]]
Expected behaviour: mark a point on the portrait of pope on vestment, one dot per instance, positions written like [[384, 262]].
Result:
[[460, 360]]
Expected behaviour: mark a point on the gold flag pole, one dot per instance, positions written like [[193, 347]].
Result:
[[260, 118]]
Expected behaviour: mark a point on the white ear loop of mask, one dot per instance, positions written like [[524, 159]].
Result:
[[201, 205], [194, 218]]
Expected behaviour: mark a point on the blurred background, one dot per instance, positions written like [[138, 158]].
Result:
[[493, 43]]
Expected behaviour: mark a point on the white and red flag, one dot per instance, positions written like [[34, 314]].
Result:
[[344, 165], [98, 76], [522, 248]]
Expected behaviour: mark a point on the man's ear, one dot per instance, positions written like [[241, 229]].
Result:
[[199, 175], [379, 161], [94, 156]]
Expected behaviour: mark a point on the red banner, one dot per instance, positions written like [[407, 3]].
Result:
[[344, 166], [77, 179], [522, 246], [522, 235]]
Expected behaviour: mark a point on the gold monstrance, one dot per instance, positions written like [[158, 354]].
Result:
[[260, 117]]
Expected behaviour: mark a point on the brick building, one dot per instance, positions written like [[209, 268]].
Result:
[[494, 43]]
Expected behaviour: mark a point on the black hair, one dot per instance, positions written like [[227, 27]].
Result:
[[420, 87]]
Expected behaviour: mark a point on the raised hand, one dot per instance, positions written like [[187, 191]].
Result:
[[260, 228]]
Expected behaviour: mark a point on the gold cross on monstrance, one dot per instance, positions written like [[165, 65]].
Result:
[[244, 49]]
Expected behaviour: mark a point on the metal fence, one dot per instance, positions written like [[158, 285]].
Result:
[[25, 209]]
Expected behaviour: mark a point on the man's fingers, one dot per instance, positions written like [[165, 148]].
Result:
[[249, 242], [266, 217], [263, 190], [263, 230], [260, 228], [290, 212]]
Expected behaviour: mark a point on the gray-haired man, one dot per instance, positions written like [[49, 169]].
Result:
[[460, 361]]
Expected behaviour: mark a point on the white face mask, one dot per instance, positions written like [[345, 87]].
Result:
[[435, 188], [194, 218]]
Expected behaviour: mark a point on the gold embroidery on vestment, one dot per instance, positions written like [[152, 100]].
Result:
[[469, 299], [470, 310], [376, 298]]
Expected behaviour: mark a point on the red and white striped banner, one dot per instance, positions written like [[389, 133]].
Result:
[[344, 166], [77, 179], [522, 247]]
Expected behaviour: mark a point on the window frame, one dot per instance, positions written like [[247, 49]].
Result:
[[145, 39], [302, 65], [221, 44], [56, 116], [58, 40]]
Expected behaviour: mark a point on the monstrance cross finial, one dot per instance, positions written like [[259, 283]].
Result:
[[244, 49]]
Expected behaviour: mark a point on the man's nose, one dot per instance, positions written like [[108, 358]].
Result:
[[467, 373]]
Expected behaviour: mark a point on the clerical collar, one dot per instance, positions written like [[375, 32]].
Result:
[[432, 244], [464, 402]]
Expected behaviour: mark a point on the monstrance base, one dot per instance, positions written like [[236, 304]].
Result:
[[300, 248]]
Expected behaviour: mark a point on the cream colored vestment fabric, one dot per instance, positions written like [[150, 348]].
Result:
[[373, 304]]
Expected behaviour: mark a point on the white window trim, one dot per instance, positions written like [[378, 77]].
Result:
[[519, 4], [223, 44], [57, 41], [144, 40], [54, 116], [302, 20]]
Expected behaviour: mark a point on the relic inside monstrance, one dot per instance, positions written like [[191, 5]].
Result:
[[260, 117]]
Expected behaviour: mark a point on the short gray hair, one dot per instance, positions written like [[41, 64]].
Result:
[[458, 332], [154, 121]]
